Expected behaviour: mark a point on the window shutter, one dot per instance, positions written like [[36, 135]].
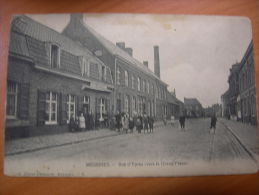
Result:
[[41, 108], [23, 99]]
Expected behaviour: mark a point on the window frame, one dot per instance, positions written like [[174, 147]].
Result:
[[58, 55], [50, 101], [70, 103], [126, 74], [15, 100]]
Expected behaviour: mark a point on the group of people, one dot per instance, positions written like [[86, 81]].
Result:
[[83, 122], [122, 122]]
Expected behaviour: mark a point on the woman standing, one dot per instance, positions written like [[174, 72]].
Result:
[[81, 122]]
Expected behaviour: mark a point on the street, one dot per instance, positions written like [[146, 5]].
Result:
[[194, 144]]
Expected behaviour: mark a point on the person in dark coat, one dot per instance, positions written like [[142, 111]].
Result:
[[131, 124], [138, 124], [118, 121], [141, 122], [213, 122], [145, 121], [182, 121], [151, 124], [72, 124]]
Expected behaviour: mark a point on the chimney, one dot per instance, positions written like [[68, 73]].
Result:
[[145, 63], [129, 51], [156, 61], [121, 45], [76, 17]]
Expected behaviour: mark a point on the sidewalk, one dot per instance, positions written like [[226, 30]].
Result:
[[48, 141], [248, 134]]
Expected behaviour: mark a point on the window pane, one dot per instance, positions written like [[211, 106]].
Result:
[[53, 107], [72, 108], [54, 96], [53, 117], [72, 98], [47, 108], [11, 105], [48, 96]]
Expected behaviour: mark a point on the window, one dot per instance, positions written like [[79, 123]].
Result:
[[86, 104], [12, 94], [71, 106], [103, 75], [51, 108], [134, 104], [133, 82], [102, 106], [126, 104], [144, 86], [55, 56], [147, 87], [84, 67], [126, 78], [138, 84], [118, 75], [139, 105]]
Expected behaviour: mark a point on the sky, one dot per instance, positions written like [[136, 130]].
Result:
[[196, 52]]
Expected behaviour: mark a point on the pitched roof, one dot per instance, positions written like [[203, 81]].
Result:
[[30, 27], [28, 38], [114, 50], [191, 101], [171, 98]]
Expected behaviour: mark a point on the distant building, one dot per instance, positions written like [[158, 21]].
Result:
[[174, 105], [193, 108], [225, 105], [247, 90], [215, 109]]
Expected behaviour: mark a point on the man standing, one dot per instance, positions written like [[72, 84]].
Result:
[[182, 121], [213, 122], [118, 121], [151, 124]]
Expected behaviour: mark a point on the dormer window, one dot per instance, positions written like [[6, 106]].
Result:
[[55, 56], [84, 64], [103, 73]]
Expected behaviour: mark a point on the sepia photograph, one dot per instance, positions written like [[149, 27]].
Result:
[[130, 95]]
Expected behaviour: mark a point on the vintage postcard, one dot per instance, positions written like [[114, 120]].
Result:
[[130, 95]]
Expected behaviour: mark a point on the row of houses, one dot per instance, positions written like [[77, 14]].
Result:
[[54, 76], [239, 101]]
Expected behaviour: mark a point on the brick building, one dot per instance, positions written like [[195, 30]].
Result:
[[51, 78], [137, 88], [247, 90]]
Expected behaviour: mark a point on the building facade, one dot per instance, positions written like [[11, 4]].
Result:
[[247, 95], [233, 91], [239, 101], [193, 108], [50, 79], [137, 89]]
